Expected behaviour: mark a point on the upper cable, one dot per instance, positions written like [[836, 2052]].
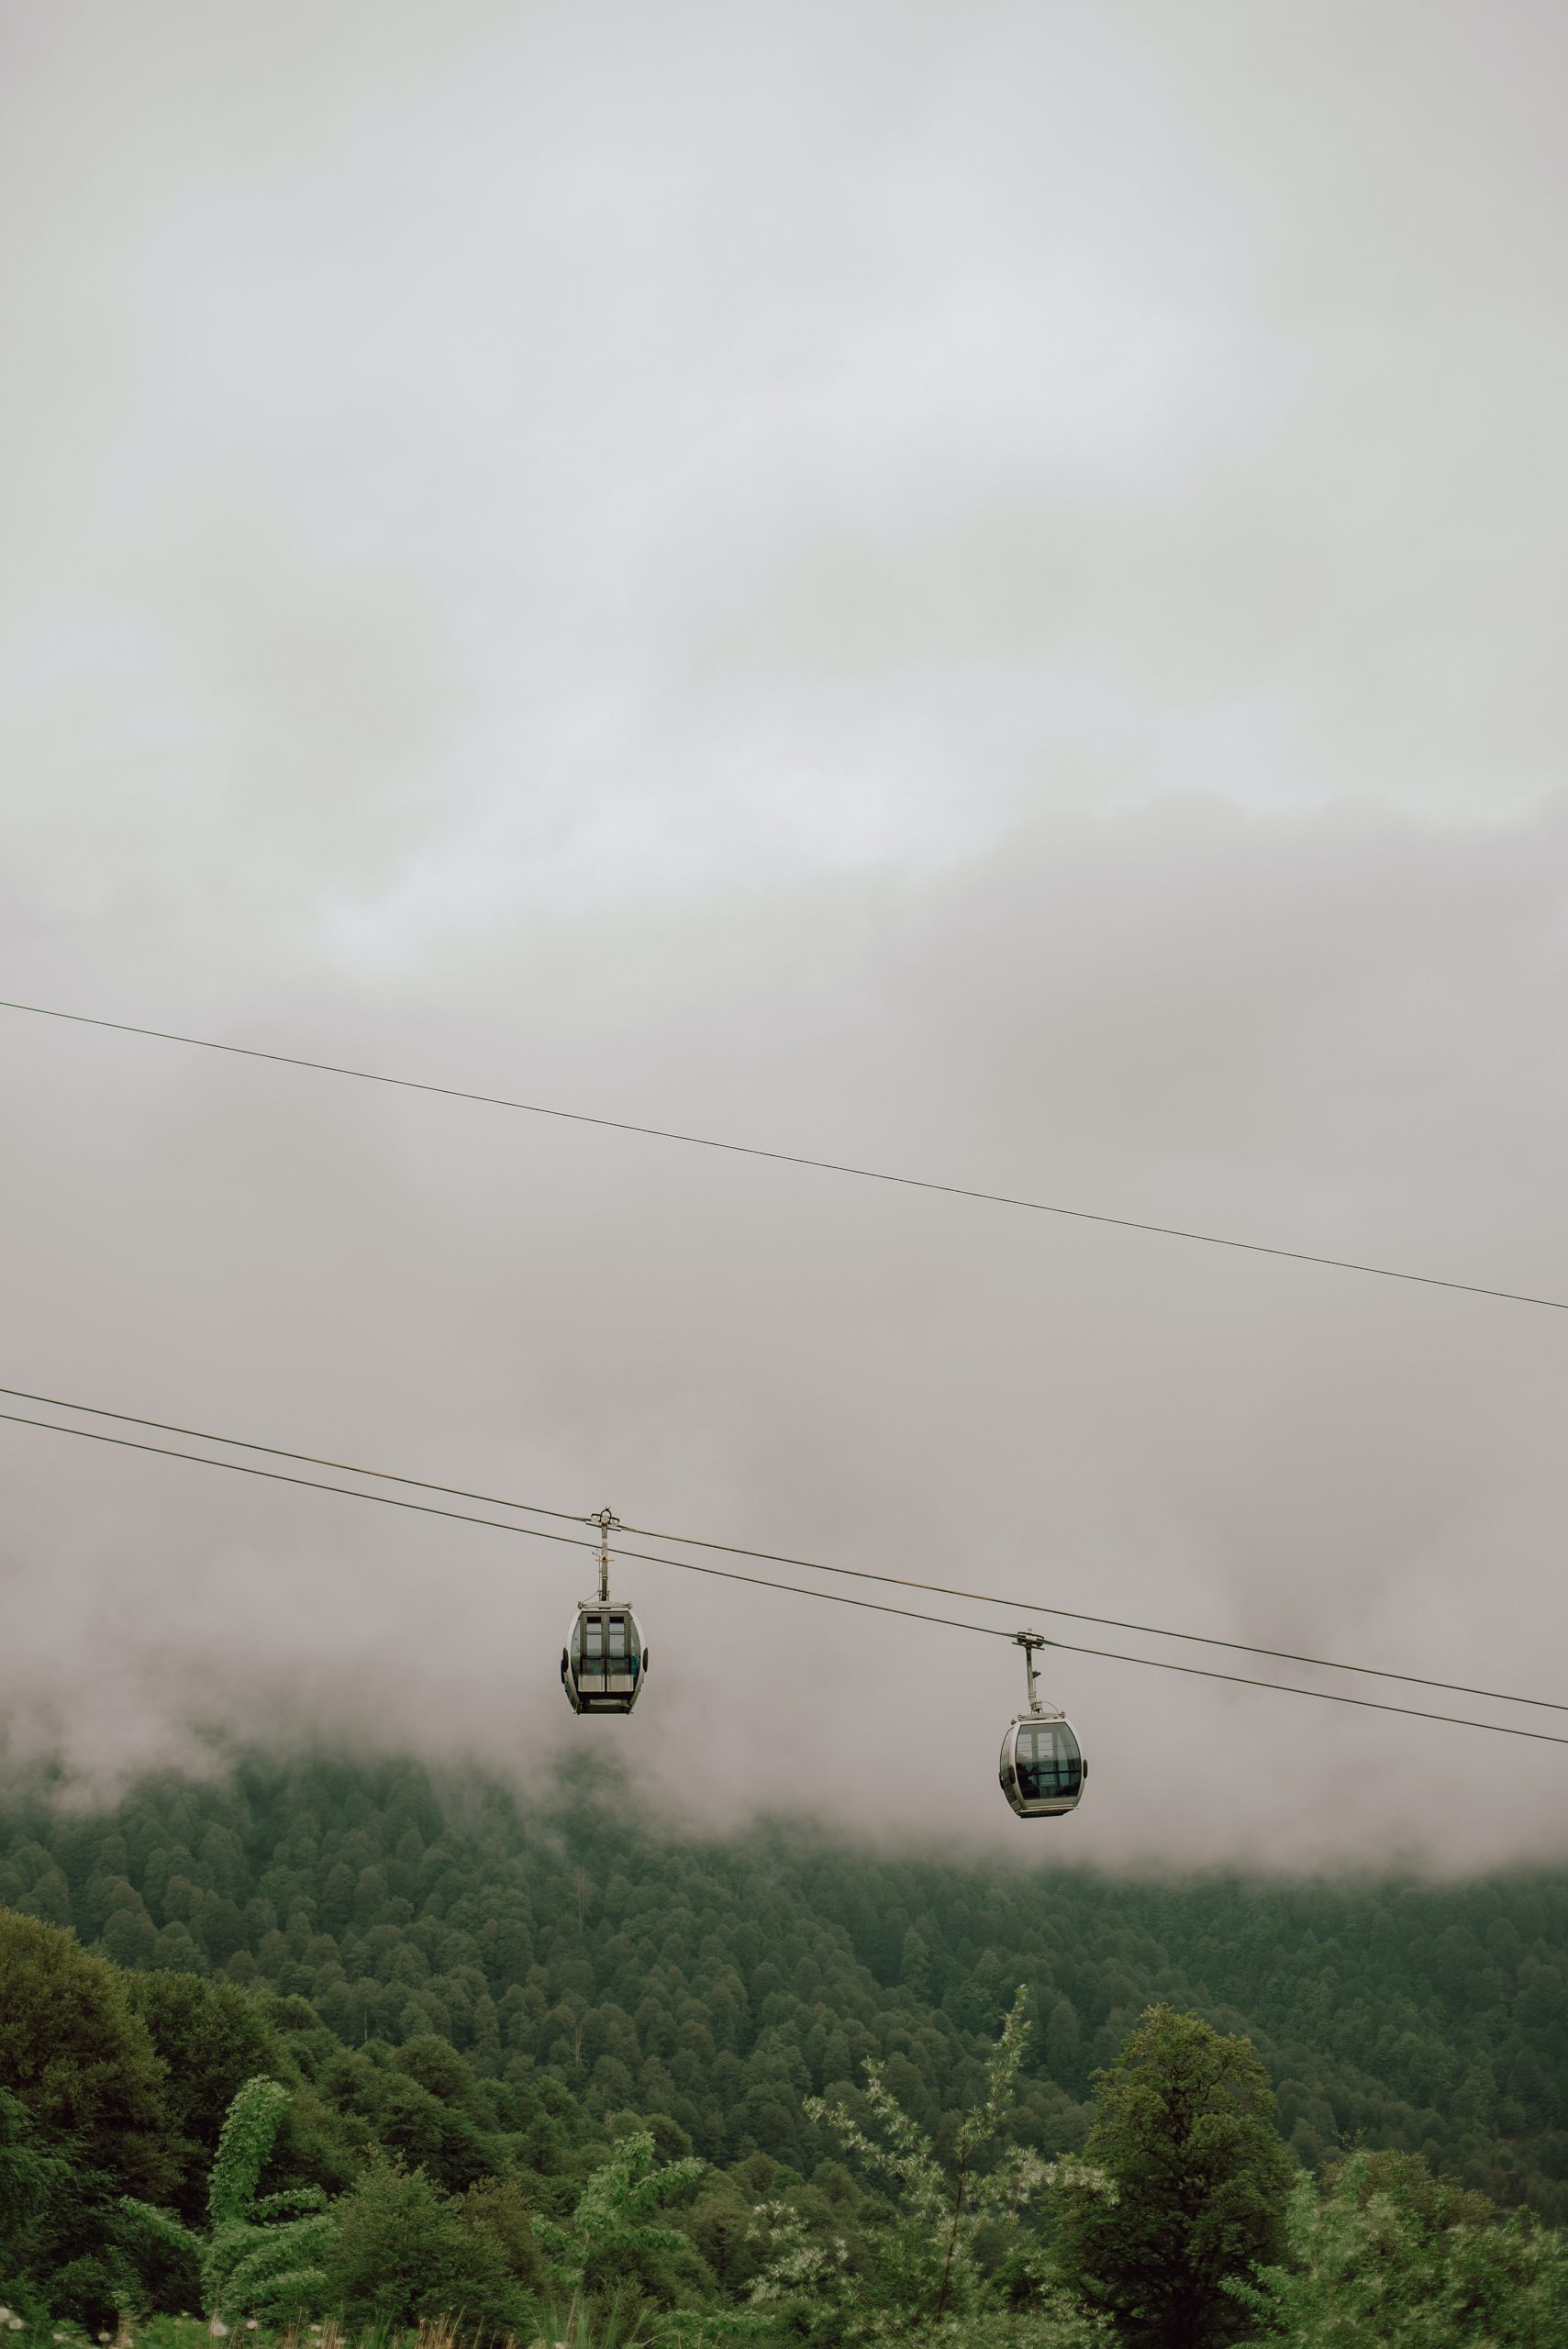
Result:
[[795, 1158]]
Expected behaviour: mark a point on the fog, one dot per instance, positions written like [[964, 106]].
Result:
[[973, 590]]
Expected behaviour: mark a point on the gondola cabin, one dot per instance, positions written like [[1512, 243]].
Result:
[[1042, 1768], [604, 1661]]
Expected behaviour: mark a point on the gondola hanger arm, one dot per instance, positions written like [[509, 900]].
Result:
[[607, 1523], [1028, 1642]]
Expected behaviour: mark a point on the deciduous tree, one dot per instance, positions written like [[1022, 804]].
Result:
[[1184, 2135]]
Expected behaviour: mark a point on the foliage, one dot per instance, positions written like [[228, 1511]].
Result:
[[401, 2252], [615, 2236], [796, 2264], [30, 2177], [265, 2256], [929, 2266], [76, 2056], [622, 2322], [26, 2174], [163, 2253], [82, 2119], [568, 1939], [499, 2211], [1184, 2135], [470, 2010], [1386, 2253], [210, 2039], [1059, 2323]]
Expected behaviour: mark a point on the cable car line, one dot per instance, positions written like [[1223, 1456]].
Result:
[[788, 1157], [311, 1484], [1110, 1622], [780, 1558], [530, 1533], [1286, 1688], [311, 1459], [800, 1591]]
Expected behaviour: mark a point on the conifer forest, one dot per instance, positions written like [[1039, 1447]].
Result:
[[339, 2044]]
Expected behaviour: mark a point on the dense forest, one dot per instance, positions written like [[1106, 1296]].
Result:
[[508, 2005]]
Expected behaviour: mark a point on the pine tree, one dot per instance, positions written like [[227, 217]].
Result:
[[1181, 2187]]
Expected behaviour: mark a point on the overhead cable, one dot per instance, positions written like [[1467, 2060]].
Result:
[[791, 1157], [310, 1459], [1110, 1622], [800, 1591], [807, 1565]]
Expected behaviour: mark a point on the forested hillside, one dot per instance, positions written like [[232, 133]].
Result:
[[567, 1936]]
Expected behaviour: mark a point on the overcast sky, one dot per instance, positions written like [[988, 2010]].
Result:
[[975, 588]]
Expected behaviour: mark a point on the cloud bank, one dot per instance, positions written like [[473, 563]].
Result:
[[959, 589]]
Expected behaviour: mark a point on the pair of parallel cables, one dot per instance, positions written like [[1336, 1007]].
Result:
[[772, 1557], [767, 1556]]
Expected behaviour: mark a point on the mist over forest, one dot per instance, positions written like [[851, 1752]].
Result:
[[1072, 1416], [969, 593]]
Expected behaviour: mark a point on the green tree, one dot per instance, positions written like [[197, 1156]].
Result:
[[265, 2255], [26, 2174], [28, 2180], [498, 2210], [720, 1987], [616, 2237], [430, 2135], [930, 2268], [159, 2251], [64, 2246], [211, 2038], [1181, 2189], [402, 2251], [1386, 2253], [76, 2056]]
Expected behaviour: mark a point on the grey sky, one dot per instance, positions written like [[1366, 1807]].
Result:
[[975, 587]]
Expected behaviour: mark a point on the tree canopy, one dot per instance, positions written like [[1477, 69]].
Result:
[[721, 1981], [77, 2059], [471, 2006], [1181, 2187]]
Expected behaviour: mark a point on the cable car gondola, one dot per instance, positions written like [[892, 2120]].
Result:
[[1043, 1767], [604, 1662]]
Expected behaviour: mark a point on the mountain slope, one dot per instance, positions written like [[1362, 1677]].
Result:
[[722, 1981]]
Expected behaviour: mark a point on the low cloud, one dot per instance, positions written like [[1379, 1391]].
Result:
[[965, 591], [1247, 1024]]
